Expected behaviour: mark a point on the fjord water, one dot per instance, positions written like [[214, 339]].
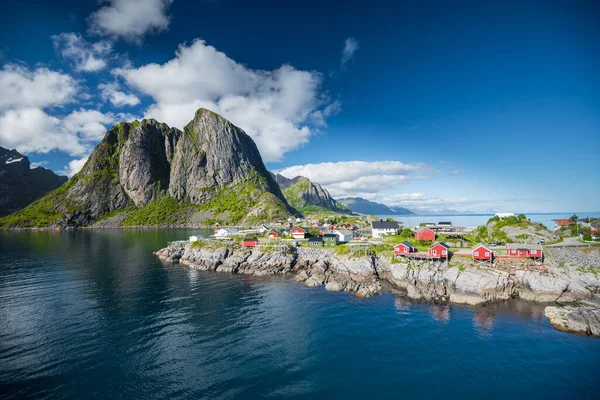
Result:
[[93, 314]]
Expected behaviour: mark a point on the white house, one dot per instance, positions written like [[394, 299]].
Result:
[[263, 228], [193, 238], [344, 235], [381, 228], [223, 233], [504, 215]]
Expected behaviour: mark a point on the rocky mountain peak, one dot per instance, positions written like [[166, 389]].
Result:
[[20, 184], [212, 167]]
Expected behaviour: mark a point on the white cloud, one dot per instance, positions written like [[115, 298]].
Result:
[[131, 19], [74, 166], [85, 56], [111, 92], [22, 87], [350, 47], [359, 178], [280, 109], [39, 164], [26, 125], [33, 130]]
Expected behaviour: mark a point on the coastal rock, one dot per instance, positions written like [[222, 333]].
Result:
[[536, 286], [436, 281], [576, 319]]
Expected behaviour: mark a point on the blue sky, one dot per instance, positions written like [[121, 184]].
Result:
[[473, 106]]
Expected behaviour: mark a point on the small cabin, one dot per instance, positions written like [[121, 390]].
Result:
[[249, 242], [330, 239], [273, 235], [298, 233], [482, 253], [521, 250], [315, 241], [424, 233], [403, 248], [439, 250]]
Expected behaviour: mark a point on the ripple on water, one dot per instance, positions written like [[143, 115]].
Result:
[[93, 314]]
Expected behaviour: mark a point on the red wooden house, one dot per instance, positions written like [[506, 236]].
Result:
[[482, 253], [564, 222], [273, 235], [298, 233], [524, 250], [403, 248], [439, 250], [249, 242], [424, 233]]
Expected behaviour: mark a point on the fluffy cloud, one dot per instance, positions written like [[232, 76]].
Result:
[[22, 87], [130, 19], [85, 56], [350, 47], [74, 166], [359, 178], [25, 124], [280, 109], [111, 92]]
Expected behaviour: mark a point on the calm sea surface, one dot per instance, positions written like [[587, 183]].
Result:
[[481, 219], [95, 315]]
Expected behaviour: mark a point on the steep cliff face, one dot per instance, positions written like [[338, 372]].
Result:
[[307, 196], [20, 184], [212, 171]]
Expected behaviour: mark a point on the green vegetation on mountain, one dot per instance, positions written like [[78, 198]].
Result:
[[308, 197], [516, 229], [157, 175]]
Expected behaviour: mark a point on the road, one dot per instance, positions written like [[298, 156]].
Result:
[[570, 241]]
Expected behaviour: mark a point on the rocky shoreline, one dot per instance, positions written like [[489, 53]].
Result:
[[424, 280]]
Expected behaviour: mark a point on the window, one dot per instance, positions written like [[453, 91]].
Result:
[[444, 252], [476, 253], [435, 252], [487, 253]]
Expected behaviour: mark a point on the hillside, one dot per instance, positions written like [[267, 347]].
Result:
[[307, 196], [515, 230], [364, 206], [146, 173], [20, 184]]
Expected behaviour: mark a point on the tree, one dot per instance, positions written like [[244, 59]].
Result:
[[389, 219], [406, 232], [521, 217], [313, 232], [574, 218]]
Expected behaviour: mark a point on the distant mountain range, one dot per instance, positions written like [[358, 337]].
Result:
[[364, 206], [20, 184], [307, 196]]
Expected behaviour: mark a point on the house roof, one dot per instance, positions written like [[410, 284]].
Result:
[[480, 245], [299, 227], [330, 235], [523, 246], [442, 244], [384, 225], [315, 239], [344, 232], [421, 229], [405, 243]]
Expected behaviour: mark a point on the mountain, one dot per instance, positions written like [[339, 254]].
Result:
[[306, 196], [20, 184], [364, 206], [146, 173]]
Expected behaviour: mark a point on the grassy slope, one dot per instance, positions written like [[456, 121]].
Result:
[[293, 195]]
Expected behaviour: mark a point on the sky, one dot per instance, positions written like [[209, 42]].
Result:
[[429, 105]]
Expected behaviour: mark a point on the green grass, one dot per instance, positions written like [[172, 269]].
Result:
[[166, 210]]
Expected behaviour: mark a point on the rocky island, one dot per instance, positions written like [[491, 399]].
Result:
[[564, 285]]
